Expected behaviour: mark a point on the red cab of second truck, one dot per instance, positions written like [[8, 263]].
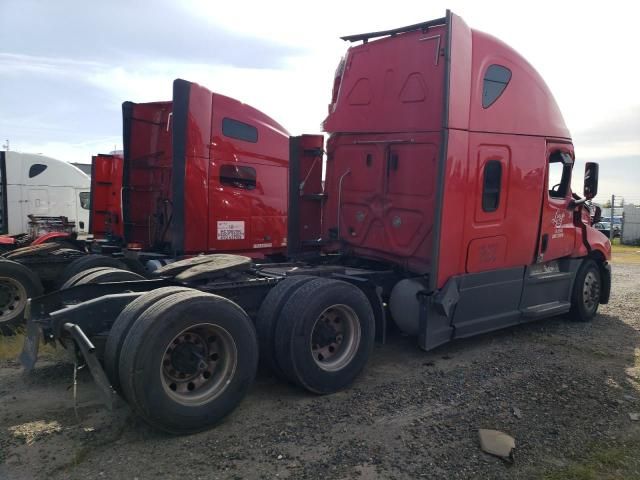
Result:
[[200, 173]]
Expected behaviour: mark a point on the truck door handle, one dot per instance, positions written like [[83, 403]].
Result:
[[545, 243]]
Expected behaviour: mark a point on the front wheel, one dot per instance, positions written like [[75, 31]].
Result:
[[585, 297]]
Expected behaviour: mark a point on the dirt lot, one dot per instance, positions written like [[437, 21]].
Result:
[[563, 390]]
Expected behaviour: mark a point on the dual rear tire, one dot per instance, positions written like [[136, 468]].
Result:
[[319, 332], [182, 358]]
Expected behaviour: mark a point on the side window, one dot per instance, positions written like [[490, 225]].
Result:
[[560, 166], [36, 169], [242, 131], [496, 79], [491, 185], [238, 176], [85, 200]]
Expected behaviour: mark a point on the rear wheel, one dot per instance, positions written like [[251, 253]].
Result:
[[585, 297], [17, 285], [268, 315], [123, 324], [325, 335], [188, 361], [104, 275], [89, 261], [100, 275]]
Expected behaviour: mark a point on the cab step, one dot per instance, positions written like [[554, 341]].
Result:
[[546, 309]]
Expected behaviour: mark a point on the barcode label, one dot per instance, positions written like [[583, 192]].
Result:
[[230, 230]]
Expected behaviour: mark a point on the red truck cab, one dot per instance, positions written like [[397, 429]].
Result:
[[452, 162], [202, 173]]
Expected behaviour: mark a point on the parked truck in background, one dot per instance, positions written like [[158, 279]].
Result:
[[447, 209], [42, 186], [198, 174]]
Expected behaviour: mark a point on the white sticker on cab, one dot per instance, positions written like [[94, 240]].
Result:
[[230, 230]]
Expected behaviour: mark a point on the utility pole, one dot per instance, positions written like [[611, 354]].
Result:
[[613, 203]]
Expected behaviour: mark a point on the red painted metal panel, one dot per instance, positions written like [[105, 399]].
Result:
[[308, 186], [106, 196], [249, 218], [381, 194], [148, 170], [393, 84], [196, 164], [526, 107]]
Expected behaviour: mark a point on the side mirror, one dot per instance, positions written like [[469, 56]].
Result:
[[590, 180], [597, 215]]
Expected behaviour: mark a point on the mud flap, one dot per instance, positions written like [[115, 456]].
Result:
[[88, 350], [29, 355], [605, 273], [436, 314]]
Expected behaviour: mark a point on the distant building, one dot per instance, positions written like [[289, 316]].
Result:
[[631, 225]]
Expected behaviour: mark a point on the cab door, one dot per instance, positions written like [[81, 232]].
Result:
[[557, 232]]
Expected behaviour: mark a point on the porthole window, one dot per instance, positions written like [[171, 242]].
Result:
[[242, 131], [36, 169], [496, 79]]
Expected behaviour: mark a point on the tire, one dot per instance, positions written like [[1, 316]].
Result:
[[17, 284], [325, 357], [585, 297], [89, 261], [123, 324], [161, 343], [104, 275], [268, 315], [73, 281]]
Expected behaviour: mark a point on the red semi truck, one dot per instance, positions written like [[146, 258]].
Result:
[[447, 198], [199, 174]]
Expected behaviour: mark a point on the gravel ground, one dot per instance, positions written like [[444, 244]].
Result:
[[564, 390]]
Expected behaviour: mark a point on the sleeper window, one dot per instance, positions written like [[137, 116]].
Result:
[[238, 176], [496, 79], [36, 169], [242, 131], [492, 182]]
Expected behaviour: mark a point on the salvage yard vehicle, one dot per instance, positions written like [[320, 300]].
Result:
[[444, 198], [41, 186], [201, 173]]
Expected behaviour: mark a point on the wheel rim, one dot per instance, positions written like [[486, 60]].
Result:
[[591, 291], [335, 337], [198, 364], [13, 299]]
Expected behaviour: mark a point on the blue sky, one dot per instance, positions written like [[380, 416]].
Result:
[[68, 65]]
